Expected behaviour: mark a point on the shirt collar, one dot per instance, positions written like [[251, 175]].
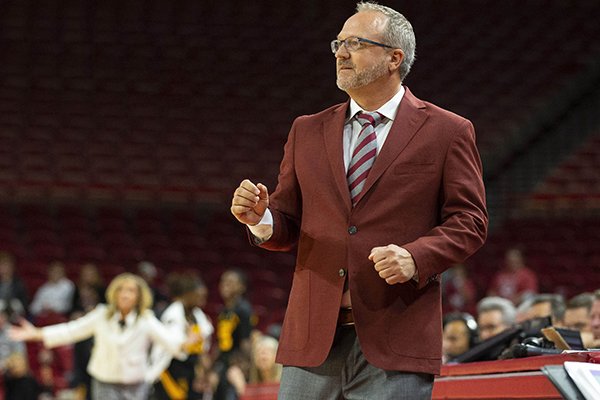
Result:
[[129, 318], [388, 110]]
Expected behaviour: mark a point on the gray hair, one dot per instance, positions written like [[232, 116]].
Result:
[[505, 306], [398, 33], [581, 300], [557, 304]]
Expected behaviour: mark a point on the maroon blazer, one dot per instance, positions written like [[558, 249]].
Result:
[[424, 193]]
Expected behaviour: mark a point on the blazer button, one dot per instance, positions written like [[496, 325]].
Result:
[[352, 230], [342, 272]]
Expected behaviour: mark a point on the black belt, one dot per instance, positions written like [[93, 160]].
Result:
[[345, 317]]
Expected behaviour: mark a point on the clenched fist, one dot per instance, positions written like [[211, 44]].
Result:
[[250, 202], [393, 263]]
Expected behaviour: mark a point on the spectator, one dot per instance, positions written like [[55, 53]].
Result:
[[123, 331], [89, 290], [149, 273], [205, 379], [459, 335], [19, 384], [515, 281], [494, 316], [548, 305], [56, 294], [8, 347], [577, 317], [458, 290], [48, 372], [12, 290], [595, 317], [174, 377], [234, 326], [263, 368]]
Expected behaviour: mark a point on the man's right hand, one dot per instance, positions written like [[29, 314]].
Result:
[[250, 202]]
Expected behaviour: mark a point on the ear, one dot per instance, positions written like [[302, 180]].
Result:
[[396, 58]]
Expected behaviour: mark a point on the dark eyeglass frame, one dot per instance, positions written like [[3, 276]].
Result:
[[336, 44]]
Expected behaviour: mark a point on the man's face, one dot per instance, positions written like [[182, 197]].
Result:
[[370, 62], [577, 319], [455, 340], [230, 285], [595, 316], [490, 324], [540, 310], [56, 273]]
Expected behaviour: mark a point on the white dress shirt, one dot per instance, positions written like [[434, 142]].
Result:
[[120, 355]]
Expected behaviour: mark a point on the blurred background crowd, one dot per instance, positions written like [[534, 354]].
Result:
[[229, 354], [125, 126], [512, 300]]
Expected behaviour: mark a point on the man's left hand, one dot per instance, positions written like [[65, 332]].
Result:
[[393, 263]]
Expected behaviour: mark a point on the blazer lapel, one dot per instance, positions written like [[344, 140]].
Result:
[[333, 131], [409, 119]]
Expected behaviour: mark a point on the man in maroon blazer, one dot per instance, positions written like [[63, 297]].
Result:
[[364, 314]]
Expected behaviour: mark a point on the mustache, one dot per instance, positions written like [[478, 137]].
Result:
[[345, 64]]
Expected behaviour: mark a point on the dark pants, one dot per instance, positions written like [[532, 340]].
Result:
[[177, 381], [346, 374]]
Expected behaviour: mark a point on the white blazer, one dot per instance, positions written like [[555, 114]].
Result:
[[120, 355]]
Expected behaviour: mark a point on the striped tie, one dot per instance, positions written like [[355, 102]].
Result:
[[364, 153]]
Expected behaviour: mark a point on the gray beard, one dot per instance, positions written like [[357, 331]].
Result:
[[362, 78]]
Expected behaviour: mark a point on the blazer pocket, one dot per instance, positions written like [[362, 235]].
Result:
[[414, 168], [294, 334], [412, 328]]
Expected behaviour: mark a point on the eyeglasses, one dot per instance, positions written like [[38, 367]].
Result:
[[353, 43]]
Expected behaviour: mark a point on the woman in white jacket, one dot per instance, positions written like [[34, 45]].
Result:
[[123, 331]]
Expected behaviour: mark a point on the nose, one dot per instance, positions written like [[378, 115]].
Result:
[[342, 52]]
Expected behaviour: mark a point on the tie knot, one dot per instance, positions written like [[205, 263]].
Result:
[[369, 118]]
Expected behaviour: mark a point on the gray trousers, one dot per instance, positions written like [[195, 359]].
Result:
[[113, 391], [346, 374]]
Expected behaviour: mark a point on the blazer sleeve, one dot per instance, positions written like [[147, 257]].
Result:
[[463, 215], [285, 203], [73, 331]]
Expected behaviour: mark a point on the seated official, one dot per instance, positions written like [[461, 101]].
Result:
[[494, 315], [459, 335]]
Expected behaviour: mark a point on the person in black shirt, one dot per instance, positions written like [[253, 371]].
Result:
[[234, 326], [173, 377]]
